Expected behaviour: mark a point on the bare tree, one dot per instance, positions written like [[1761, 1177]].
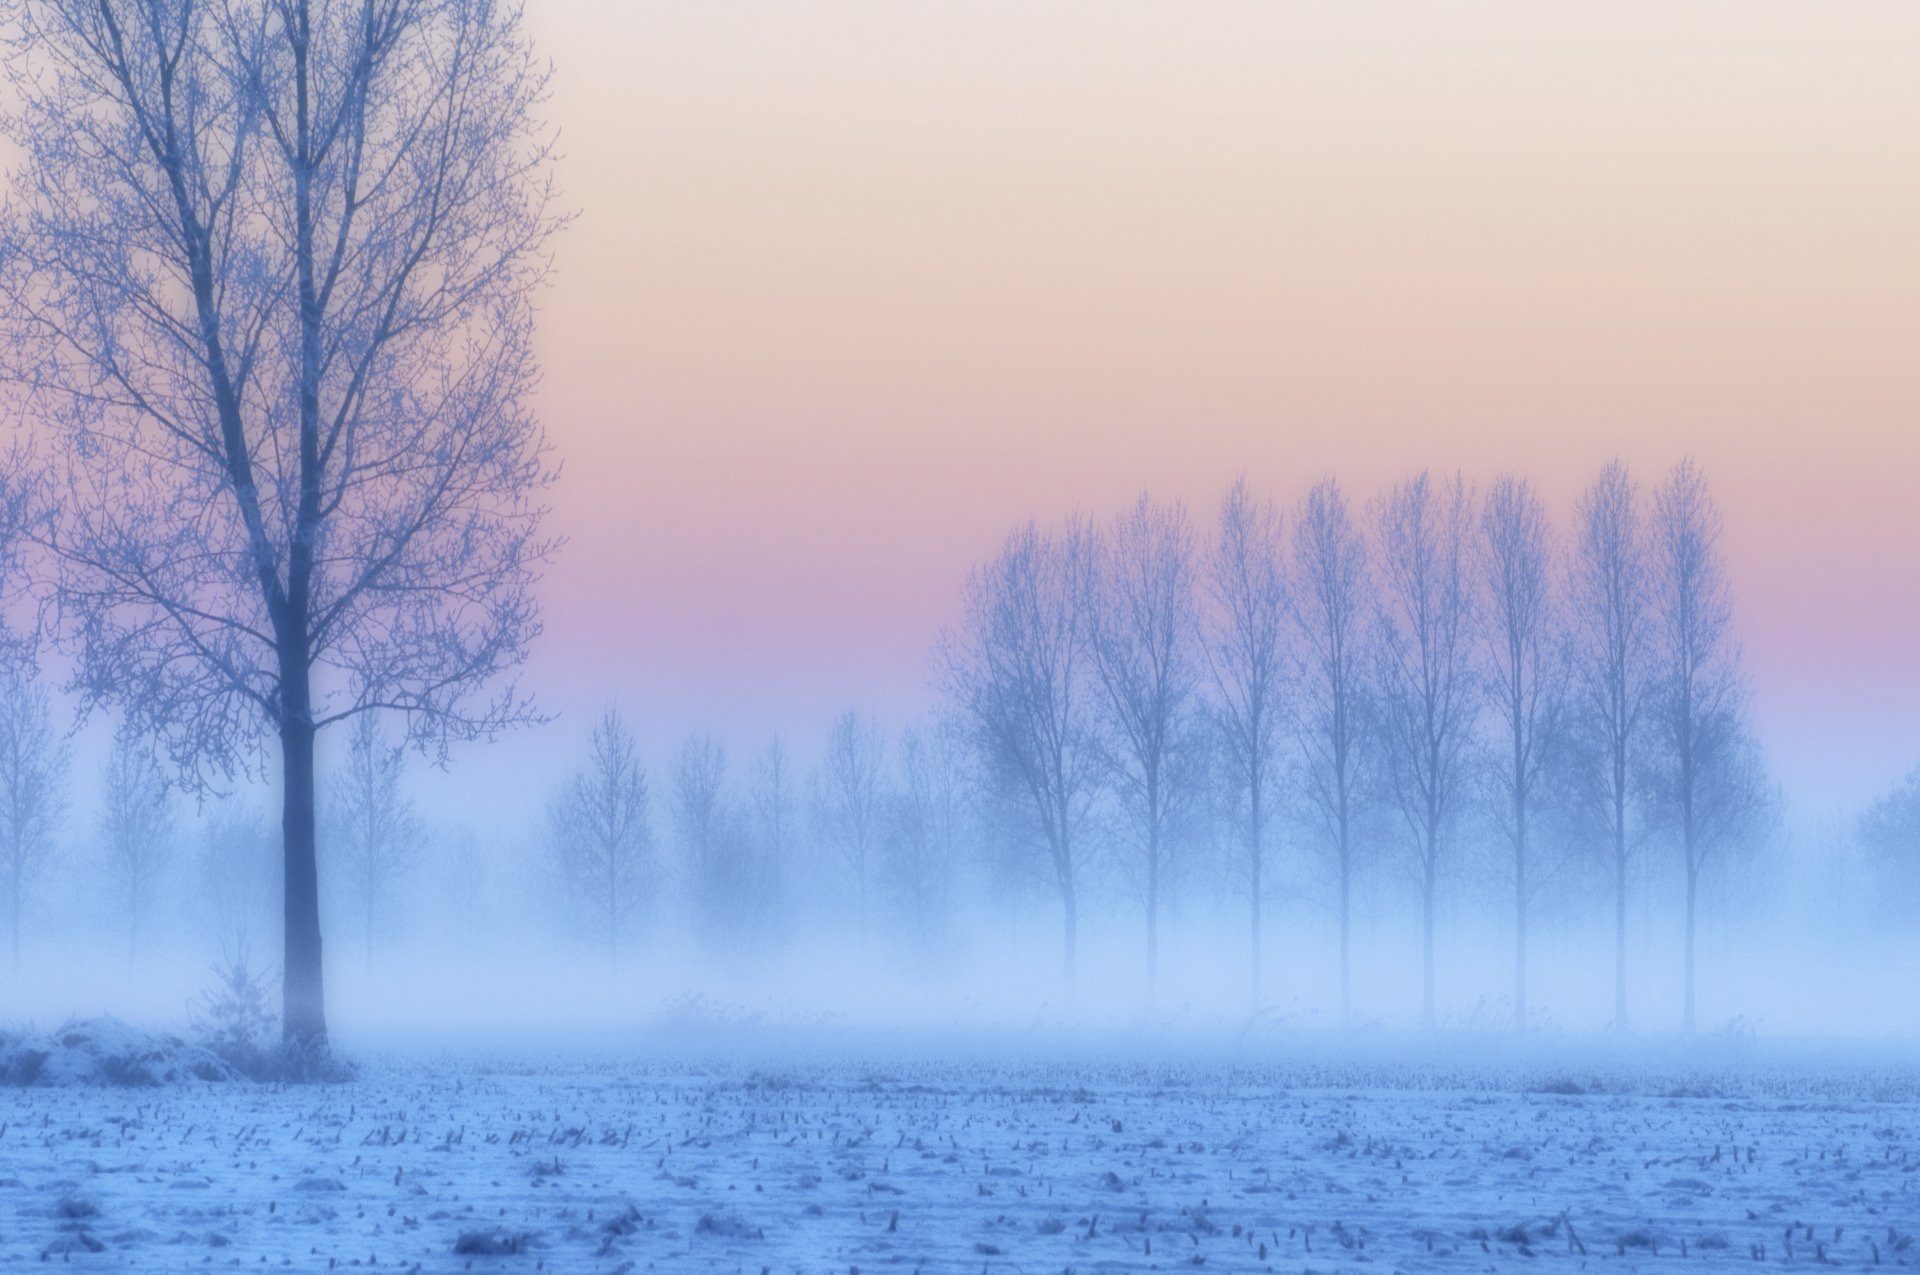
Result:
[[1332, 605], [716, 855], [270, 270], [1889, 832], [1607, 604], [376, 835], [849, 803], [136, 828], [928, 825], [1244, 653], [1428, 687], [236, 882], [1015, 672], [1527, 672], [33, 800], [1709, 784], [1143, 634], [601, 835], [461, 880], [774, 805]]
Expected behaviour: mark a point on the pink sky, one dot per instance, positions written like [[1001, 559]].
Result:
[[858, 285]]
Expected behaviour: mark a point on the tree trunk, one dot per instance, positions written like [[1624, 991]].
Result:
[[1693, 882], [1620, 932], [1254, 950], [1346, 933], [1255, 823], [1153, 917], [1072, 922], [303, 1000], [1520, 917], [1426, 943]]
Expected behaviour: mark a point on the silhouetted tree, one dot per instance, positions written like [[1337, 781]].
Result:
[[1709, 784], [929, 809], [717, 853], [1527, 671], [33, 800], [1428, 687], [1889, 831], [601, 835], [269, 274], [1333, 604], [1143, 634], [236, 876], [849, 804], [1246, 628], [1015, 671], [136, 829], [376, 835], [1607, 604]]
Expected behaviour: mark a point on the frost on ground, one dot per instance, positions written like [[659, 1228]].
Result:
[[1007, 1166]]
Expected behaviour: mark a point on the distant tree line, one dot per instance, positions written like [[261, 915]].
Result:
[[1439, 656], [1371, 687], [1322, 698]]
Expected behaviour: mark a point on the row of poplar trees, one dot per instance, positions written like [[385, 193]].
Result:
[[1325, 662]]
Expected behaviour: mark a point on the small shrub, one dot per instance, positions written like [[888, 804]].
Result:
[[234, 1017]]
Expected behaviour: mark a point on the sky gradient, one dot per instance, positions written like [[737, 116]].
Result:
[[857, 286]]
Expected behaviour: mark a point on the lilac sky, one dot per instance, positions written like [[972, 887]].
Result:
[[856, 286]]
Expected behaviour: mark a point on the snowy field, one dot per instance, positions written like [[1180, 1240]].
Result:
[[435, 1164]]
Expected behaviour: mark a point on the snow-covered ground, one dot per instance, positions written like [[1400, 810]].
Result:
[[437, 1164]]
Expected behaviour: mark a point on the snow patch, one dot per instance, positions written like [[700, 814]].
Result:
[[105, 1052]]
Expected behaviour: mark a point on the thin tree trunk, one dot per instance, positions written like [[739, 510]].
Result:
[[1071, 918], [1693, 881], [304, 1018], [1426, 942], [1520, 916], [1255, 946], [1620, 929], [1346, 933], [1153, 917], [1253, 836]]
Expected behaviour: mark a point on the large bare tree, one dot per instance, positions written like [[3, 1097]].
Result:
[[136, 829], [33, 797], [268, 272], [376, 837], [1143, 634], [1244, 649], [1607, 604], [1332, 605], [1428, 687], [602, 837], [1527, 677], [1709, 785], [1016, 672]]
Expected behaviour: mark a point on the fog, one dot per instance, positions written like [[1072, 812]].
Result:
[[1805, 939]]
